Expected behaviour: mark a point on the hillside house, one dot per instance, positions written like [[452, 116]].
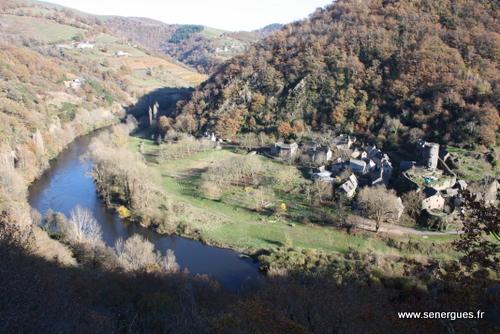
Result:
[[316, 153], [85, 45], [75, 83], [210, 136], [121, 53], [285, 151], [382, 173]]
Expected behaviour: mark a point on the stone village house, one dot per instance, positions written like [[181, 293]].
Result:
[[285, 151], [315, 153]]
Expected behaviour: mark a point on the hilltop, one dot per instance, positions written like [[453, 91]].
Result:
[[390, 72]]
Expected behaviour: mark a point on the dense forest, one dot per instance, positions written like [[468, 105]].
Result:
[[391, 71]]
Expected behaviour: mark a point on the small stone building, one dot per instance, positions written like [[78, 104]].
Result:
[[343, 142], [433, 200], [285, 151], [316, 153]]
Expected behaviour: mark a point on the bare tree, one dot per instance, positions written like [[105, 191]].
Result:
[[379, 204], [82, 227], [169, 262], [480, 241], [136, 254]]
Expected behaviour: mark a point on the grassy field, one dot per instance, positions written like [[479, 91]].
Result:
[[473, 168], [40, 29], [229, 223], [212, 32]]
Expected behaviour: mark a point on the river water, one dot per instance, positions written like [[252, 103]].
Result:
[[67, 184]]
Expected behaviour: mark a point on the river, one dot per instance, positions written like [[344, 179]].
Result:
[[67, 184]]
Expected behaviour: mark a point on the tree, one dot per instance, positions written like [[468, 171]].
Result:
[[378, 203], [413, 203], [15, 236], [169, 262], [164, 125], [480, 240], [248, 141], [82, 227], [285, 129], [186, 123], [136, 254], [229, 124]]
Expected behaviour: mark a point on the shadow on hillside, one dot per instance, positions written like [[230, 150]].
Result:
[[166, 98], [38, 296]]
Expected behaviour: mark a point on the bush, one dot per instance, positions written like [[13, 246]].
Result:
[[138, 255], [210, 190], [123, 212]]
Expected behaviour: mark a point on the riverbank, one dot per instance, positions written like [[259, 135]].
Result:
[[47, 145]]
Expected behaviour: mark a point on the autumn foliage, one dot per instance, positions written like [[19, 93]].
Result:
[[386, 70]]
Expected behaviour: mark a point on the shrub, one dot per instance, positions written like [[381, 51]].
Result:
[[138, 254], [210, 190], [123, 212]]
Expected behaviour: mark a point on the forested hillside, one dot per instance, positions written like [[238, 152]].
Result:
[[392, 71]]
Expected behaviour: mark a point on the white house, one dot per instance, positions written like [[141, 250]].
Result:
[[85, 45], [121, 53]]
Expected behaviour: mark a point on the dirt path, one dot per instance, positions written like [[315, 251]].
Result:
[[369, 225]]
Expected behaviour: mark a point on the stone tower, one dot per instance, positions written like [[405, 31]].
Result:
[[429, 154]]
